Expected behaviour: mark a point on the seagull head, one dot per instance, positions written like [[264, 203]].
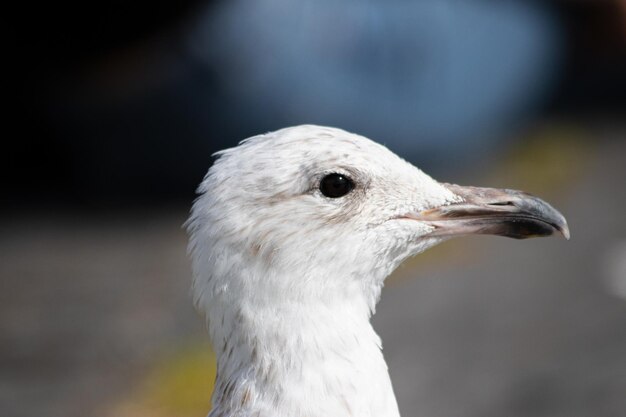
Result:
[[308, 208]]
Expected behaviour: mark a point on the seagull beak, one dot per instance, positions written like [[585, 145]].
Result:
[[493, 211]]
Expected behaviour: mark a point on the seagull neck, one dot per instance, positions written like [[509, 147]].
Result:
[[313, 357]]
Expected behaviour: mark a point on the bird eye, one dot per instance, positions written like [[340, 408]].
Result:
[[336, 185]]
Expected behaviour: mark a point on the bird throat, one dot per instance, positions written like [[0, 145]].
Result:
[[299, 358]]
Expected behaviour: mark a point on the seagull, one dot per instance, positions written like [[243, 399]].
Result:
[[291, 238]]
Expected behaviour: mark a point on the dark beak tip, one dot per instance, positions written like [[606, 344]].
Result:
[[564, 230], [556, 220]]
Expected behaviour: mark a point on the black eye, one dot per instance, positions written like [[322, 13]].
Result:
[[336, 185]]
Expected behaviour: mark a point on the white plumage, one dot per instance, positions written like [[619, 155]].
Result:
[[289, 277]]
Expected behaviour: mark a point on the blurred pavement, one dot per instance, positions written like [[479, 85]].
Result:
[[93, 307]]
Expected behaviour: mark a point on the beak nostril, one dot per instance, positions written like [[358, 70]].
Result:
[[502, 203]]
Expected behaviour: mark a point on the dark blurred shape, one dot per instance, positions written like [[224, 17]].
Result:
[[68, 58], [594, 81], [123, 103]]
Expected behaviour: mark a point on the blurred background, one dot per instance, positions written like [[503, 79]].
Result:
[[114, 109]]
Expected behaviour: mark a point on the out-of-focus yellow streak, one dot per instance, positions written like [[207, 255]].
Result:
[[180, 385], [546, 162]]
